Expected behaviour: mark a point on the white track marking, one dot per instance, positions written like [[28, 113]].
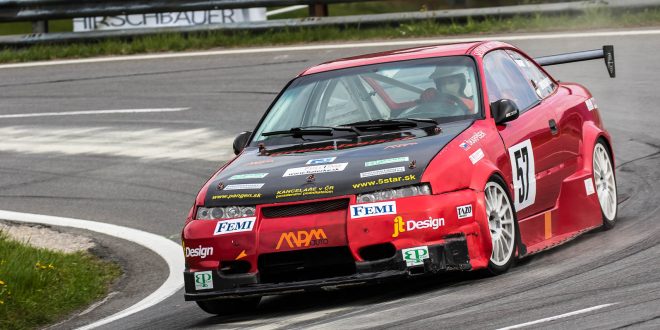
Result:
[[552, 318], [337, 46], [89, 112], [168, 250], [147, 144]]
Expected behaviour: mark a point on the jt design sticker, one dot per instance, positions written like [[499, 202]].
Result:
[[524, 174]]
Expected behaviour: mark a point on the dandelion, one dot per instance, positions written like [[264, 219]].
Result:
[[50, 266], [2, 282], [2, 302]]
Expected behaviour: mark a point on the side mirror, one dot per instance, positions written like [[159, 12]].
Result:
[[503, 111], [241, 141]]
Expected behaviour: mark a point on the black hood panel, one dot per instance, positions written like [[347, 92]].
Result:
[[329, 168]]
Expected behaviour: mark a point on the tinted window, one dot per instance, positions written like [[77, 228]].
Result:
[[505, 81], [542, 84]]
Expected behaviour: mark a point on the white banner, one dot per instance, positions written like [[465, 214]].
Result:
[[158, 20]]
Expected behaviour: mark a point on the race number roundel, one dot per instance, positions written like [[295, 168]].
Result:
[[524, 174]]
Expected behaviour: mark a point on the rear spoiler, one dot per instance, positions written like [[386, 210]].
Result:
[[607, 53]]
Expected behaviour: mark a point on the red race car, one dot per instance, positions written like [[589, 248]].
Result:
[[418, 161]]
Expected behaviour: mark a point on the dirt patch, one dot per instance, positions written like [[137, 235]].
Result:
[[47, 238]]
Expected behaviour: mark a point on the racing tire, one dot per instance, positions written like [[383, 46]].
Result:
[[229, 306], [503, 225], [605, 183]]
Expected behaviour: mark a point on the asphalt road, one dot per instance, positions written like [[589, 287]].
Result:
[[143, 170]]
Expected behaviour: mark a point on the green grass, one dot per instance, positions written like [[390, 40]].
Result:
[[39, 287], [173, 42]]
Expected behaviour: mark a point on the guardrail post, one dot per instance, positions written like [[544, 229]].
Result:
[[318, 10], [40, 27]]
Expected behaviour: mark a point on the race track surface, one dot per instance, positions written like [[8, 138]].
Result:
[[142, 170]]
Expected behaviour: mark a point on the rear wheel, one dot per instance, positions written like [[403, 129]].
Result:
[[502, 224], [229, 306], [605, 184]]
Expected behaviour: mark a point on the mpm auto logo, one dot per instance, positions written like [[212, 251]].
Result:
[[303, 238]]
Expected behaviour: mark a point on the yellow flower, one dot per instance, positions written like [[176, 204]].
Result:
[[2, 282], [50, 266], [2, 302]]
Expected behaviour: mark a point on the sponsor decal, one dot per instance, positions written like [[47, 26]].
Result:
[[203, 280], [477, 156], [200, 251], [524, 174], [401, 226], [260, 162], [591, 104], [168, 19], [589, 186], [303, 238], [464, 211], [386, 161], [372, 209], [248, 176], [236, 196], [244, 186], [340, 146], [241, 255], [366, 184], [307, 170], [383, 172], [309, 191], [476, 137], [402, 145], [319, 161], [234, 226], [415, 256]]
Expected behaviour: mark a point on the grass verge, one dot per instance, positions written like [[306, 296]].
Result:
[[39, 286], [593, 19]]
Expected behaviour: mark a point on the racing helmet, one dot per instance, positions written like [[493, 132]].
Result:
[[452, 79]]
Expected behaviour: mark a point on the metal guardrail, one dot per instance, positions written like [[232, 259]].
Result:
[[358, 20]]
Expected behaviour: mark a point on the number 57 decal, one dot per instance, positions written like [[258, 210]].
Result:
[[524, 174]]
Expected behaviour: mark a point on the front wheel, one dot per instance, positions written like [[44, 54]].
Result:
[[605, 184], [502, 224], [229, 306]]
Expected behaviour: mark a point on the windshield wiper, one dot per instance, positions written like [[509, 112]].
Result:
[[312, 130], [390, 123]]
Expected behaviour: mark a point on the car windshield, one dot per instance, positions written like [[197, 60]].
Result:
[[323, 106]]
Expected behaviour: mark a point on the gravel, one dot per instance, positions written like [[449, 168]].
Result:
[[47, 238]]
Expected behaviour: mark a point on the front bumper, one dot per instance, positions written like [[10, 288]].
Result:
[[449, 256]]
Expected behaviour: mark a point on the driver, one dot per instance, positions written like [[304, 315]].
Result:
[[451, 83]]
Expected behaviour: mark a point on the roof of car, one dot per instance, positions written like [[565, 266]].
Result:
[[395, 55]]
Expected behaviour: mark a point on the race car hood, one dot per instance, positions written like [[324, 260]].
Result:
[[329, 168]]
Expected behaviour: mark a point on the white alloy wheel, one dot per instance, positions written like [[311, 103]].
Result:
[[605, 183], [501, 222]]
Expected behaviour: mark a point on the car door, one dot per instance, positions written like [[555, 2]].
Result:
[[530, 139]]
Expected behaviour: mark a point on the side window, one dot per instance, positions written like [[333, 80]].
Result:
[[543, 85], [505, 81]]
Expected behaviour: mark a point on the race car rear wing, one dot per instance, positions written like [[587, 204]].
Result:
[[607, 53]]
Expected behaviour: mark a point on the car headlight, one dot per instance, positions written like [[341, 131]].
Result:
[[227, 212], [382, 195]]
